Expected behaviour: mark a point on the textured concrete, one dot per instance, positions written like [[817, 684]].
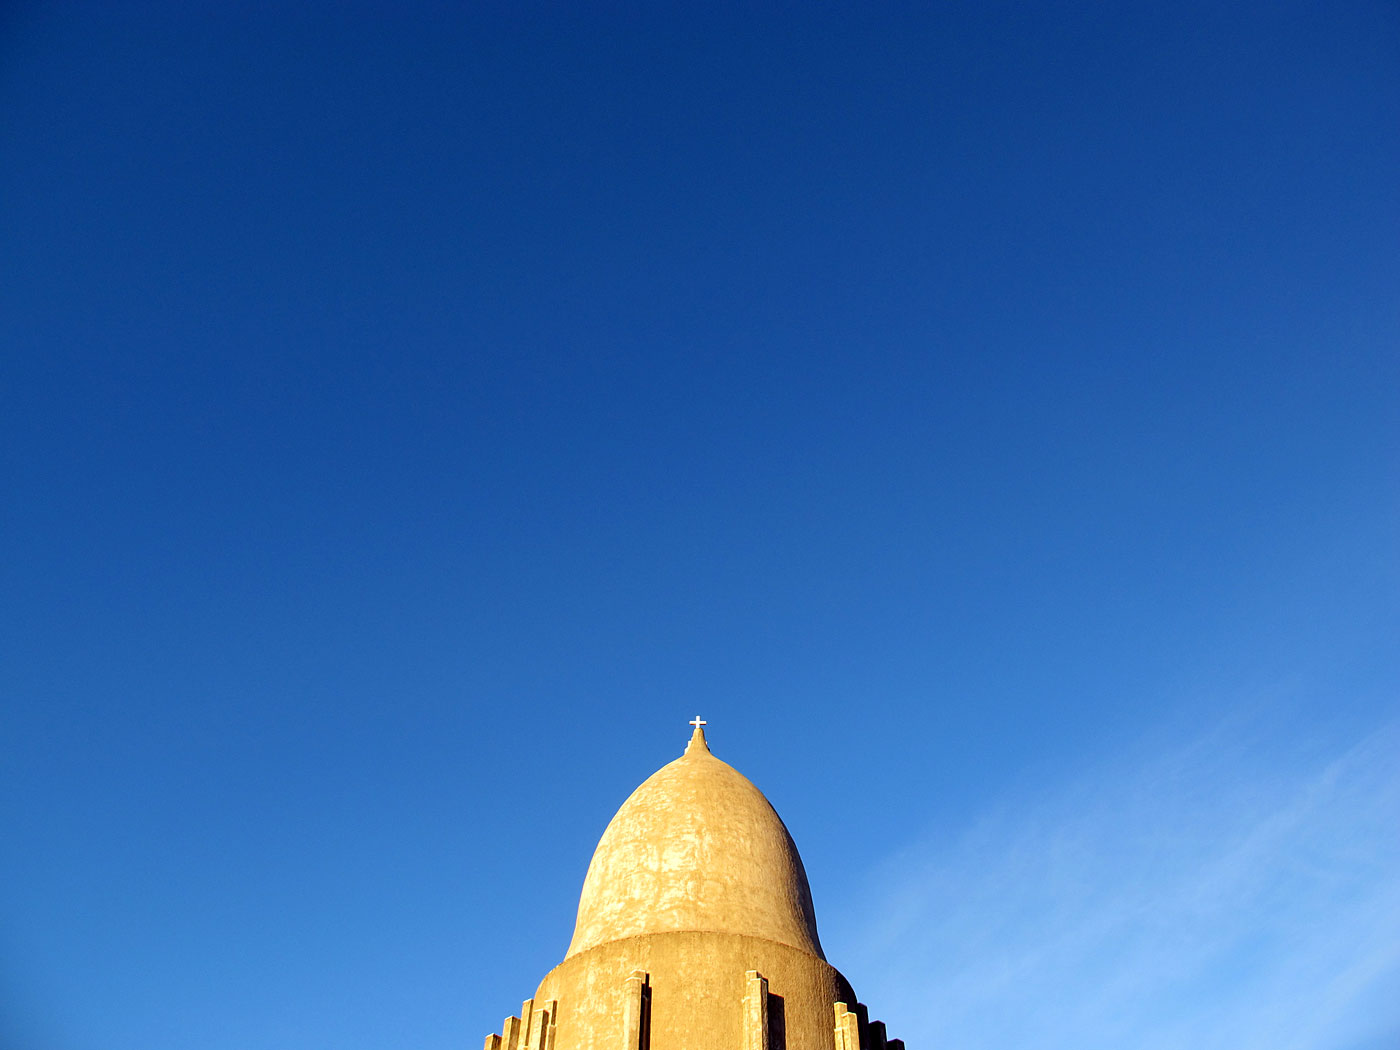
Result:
[[696, 847], [695, 931], [698, 984]]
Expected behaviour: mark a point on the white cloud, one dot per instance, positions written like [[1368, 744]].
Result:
[[1205, 898]]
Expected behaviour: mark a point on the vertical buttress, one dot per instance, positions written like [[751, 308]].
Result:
[[636, 1012], [755, 1011]]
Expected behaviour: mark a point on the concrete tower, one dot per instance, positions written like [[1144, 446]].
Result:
[[695, 931]]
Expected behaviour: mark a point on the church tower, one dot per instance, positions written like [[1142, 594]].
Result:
[[695, 931]]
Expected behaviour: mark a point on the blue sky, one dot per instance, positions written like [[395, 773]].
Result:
[[984, 415]]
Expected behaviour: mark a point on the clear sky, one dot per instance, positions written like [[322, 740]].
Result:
[[986, 416]]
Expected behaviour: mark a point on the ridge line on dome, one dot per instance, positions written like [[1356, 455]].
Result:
[[711, 933]]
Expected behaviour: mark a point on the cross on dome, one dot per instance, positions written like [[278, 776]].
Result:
[[697, 743]]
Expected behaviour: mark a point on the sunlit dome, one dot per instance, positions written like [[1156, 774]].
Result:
[[696, 847]]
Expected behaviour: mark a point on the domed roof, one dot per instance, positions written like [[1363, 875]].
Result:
[[696, 847]]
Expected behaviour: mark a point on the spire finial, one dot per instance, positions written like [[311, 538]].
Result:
[[698, 736]]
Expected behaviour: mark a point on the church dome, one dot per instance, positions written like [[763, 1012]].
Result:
[[696, 847]]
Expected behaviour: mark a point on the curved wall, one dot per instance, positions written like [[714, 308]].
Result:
[[697, 983]]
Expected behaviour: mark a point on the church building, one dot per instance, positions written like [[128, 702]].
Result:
[[695, 931]]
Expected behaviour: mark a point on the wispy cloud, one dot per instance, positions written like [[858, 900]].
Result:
[[1204, 898]]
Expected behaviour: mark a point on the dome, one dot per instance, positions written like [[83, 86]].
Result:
[[696, 847]]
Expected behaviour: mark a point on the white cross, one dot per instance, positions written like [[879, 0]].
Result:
[[697, 722]]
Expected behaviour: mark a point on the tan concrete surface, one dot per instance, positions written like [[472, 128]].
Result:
[[696, 847], [698, 983], [695, 931]]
